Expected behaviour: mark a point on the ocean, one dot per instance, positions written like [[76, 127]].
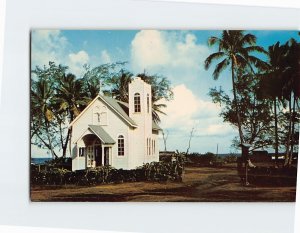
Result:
[[40, 160]]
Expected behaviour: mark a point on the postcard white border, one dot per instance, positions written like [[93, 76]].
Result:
[[15, 207]]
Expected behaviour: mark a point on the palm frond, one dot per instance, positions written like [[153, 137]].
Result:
[[248, 39], [213, 40], [220, 67], [255, 48], [211, 58]]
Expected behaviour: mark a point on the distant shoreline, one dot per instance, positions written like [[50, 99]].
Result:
[[39, 160]]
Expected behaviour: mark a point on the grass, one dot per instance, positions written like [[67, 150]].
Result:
[[199, 184]]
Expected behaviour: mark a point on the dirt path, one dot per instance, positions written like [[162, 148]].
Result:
[[199, 184]]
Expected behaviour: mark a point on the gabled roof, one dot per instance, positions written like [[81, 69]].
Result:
[[101, 134], [117, 107], [113, 104]]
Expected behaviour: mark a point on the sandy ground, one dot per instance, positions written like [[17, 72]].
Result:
[[199, 184]]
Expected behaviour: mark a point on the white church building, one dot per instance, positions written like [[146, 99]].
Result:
[[111, 132]]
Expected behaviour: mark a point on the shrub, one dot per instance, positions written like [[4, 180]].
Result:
[[155, 171], [207, 159]]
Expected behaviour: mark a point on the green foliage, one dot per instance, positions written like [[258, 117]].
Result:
[[102, 77], [155, 171], [255, 114]]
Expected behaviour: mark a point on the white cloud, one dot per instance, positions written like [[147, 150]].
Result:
[[187, 110], [149, 48], [153, 48], [79, 58], [76, 62], [51, 45], [47, 45], [105, 57]]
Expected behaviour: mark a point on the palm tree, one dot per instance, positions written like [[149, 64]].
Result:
[[234, 51], [291, 92], [42, 112], [271, 82], [70, 99], [70, 95], [120, 86]]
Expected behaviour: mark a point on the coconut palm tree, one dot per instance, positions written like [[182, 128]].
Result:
[[70, 95], [42, 114], [271, 82], [120, 86], [70, 100], [291, 92], [235, 51]]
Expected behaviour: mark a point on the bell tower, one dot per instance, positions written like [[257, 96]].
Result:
[[140, 110]]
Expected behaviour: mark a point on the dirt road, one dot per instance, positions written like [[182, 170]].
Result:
[[199, 184]]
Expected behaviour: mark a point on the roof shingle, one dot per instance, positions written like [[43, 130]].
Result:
[[101, 134]]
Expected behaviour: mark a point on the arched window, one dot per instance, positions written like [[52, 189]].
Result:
[[121, 145], [137, 102], [148, 103]]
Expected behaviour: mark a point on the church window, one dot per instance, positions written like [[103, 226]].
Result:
[[81, 151], [137, 102], [121, 145]]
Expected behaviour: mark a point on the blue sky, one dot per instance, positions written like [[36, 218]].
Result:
[[178, 55]]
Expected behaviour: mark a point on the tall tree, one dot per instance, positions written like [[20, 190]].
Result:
[[291, 92], [56, 99], [101, 78], [271, 81], [120, 84], [234, 51], [70, 99], [42, 114], [255, 114]]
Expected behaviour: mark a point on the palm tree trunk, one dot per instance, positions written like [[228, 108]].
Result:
[[235, 104], [70, 147], [50, 141], [287, 153], [276, 130], [65, 146], [293, 132]]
